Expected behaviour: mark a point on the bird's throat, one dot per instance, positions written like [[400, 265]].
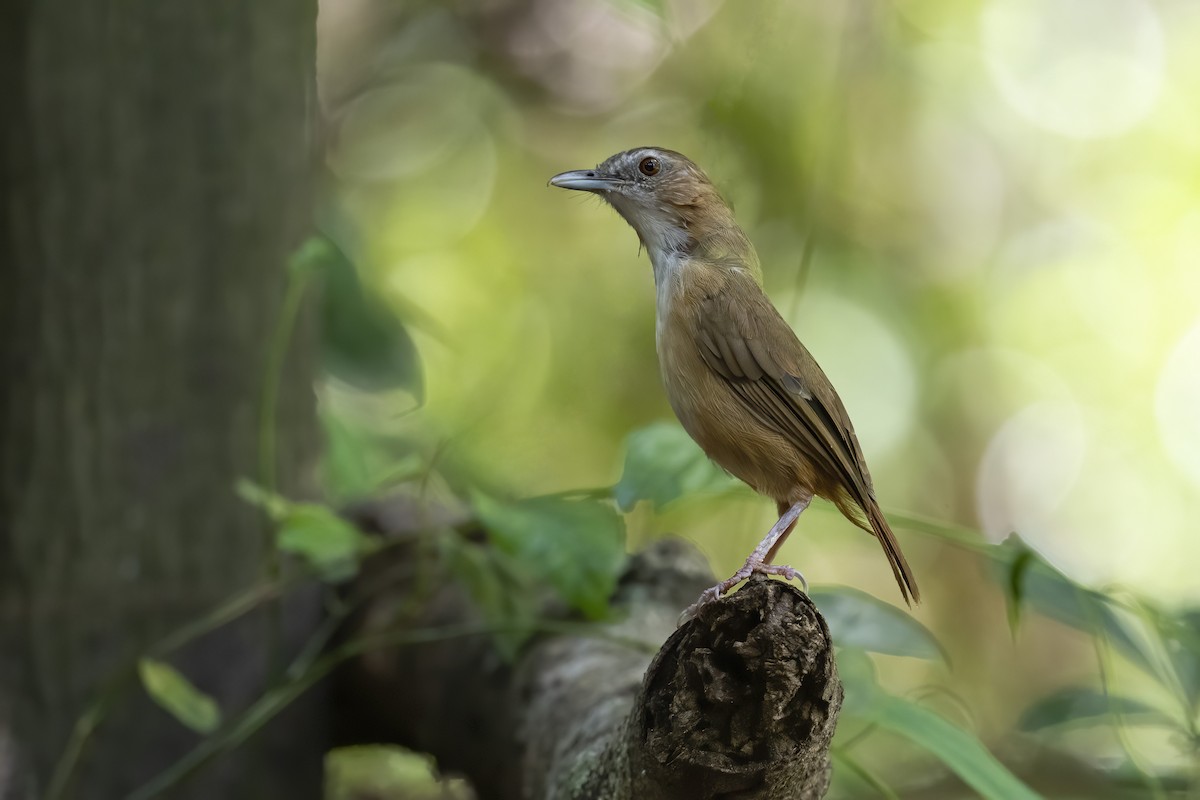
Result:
[[668, 268]]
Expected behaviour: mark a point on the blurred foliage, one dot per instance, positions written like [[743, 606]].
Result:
[[362, 342], [662, 464], [576, 546], [331, 546], [867, 704], [176, 695], [374, 773], [504, 592], [573, 544], [858, 620], [982, 219]]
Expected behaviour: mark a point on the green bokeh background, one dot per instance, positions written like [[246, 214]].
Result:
[[1000, 200]]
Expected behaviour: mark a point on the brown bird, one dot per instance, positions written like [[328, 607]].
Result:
[[742, 384]]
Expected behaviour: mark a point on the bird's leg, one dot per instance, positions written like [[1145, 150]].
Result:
[[757, 562]]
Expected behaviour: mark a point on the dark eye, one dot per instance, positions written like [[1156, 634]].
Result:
[[649, 166]]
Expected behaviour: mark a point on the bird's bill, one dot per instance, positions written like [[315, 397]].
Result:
[[585, 180]]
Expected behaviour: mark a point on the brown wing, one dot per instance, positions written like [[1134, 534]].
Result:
[[745, 340]]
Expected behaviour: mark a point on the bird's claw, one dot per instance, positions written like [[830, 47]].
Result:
[[749, 568], [785, 572]]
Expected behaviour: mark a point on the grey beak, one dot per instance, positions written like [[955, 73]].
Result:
[[585, 180]]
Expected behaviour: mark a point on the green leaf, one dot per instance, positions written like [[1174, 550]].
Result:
[[275, 506], [857, 619], [958, 749], [1080, 706], [312, 255], [362, 341], [857, 673], [355, 464], [959, 535], [578, 546], [359, 772], [662, 463], [1029, 580], [176, 695], [1180, 637], [502, 591], [322, 538], [1182, 640], [656, 7], [347, 464], [314, 532], [846, 765], [1055, 595], [1016, 588]]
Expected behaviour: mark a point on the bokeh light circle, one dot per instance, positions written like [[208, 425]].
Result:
[[1028, 468], [1177, 404], [1081, 68], [867, 363]]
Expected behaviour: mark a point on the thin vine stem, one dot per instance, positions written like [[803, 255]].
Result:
[[299, 274], [847, 760], [120, 680]]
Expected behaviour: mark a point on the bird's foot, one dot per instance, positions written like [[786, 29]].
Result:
[[752, 566]]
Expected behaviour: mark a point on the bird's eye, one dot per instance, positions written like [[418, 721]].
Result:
[[650, 166]]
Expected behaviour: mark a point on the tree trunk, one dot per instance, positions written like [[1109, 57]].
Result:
[[156, 163], [741, 701]]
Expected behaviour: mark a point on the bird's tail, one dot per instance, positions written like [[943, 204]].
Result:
[[878, 525], [868, 516]]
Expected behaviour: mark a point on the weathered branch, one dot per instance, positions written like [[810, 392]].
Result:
[[739, 702]]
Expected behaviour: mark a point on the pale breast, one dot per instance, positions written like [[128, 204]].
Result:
[[668, 267]]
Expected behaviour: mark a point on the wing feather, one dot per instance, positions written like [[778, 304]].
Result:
[[769, 379], [763, 362]]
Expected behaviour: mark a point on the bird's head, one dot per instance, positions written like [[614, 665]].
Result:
[[667, 199]]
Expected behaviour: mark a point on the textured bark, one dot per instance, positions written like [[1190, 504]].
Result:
[[155, 163], [740, 702]]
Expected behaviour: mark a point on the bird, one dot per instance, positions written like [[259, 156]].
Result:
[[736, 375]]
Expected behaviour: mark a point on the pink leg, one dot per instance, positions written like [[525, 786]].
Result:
[[756, 563]]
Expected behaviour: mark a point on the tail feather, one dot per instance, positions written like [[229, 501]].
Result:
[[868, 516], [883, 532]]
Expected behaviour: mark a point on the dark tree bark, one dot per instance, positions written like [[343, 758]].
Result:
[[740, 702], [155, 161]]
